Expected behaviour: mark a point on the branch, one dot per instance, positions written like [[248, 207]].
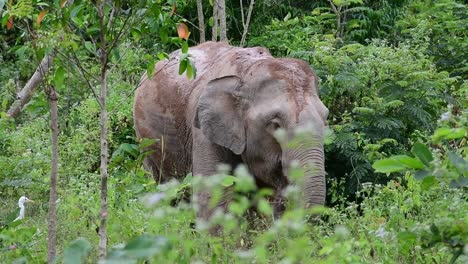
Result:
[[333, 7], [242, 14], [246, 26], [119, 35], [25, 95], [82, 72], [214, 32], [201, 21]]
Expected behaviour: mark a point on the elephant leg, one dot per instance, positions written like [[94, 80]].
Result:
[[150, 165], [206, 158]]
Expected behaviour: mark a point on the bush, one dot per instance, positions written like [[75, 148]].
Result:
[[381, 97]]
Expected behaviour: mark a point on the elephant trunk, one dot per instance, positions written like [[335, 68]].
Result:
[[310, 158]]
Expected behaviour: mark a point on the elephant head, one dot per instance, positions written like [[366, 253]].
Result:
[[242, 114]]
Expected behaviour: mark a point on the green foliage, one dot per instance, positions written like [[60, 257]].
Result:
[[76, 252], [441, 26], [387, 74], [449, 165], [379, 95], [441, 168]]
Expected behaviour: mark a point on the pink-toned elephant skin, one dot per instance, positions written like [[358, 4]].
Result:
[[228, 114]]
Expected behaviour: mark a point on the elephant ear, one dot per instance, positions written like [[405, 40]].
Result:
[[218, 114]]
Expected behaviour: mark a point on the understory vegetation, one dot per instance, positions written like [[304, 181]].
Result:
[[393, 74]]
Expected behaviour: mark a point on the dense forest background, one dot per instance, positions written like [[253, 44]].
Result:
[[393, 74]]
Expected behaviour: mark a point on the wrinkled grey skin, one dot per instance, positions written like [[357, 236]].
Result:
[[228, 114]]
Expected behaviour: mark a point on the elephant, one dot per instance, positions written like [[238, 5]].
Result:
[[229, 114]]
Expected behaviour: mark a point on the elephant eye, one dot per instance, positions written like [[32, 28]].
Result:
[[275, 124], [274, 121]]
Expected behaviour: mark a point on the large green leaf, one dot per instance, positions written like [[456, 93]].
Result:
[[77, 251], [397, 163], [448, 133], [388, 166], [142, 247], [422, 152]]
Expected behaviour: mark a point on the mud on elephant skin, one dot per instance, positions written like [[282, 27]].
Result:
[[229, 114]]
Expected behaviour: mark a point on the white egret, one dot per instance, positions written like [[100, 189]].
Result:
[[21, 202]]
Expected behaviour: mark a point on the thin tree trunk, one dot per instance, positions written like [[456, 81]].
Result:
[[214, 32], [26, 93], [52, 218], [104, 156], [337, 11], [222, 20], [247, 22], [201, 21]]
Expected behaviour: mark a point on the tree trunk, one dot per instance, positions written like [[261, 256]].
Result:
[[222, 20], [214, 32], [104, 156], [52, 218], [26, 93], [247, 22], [201, 21]]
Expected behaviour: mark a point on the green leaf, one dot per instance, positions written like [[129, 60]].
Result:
[[5, 19], [406, 237], [20, 52], [115, 54], [131, 149], [388, 166], [397, 163], [163, 35], [182, 66], [421, 174], [422, 152], [77, 251], [363, 110], [59, 77], [90, 47], [76, 15], [458, 162], [428, 182], [194, 69], [448, 133], [163, 55], [146, 246], [150, 69], [189, 71], [184, 47], [337, 2], [459, 183], [409, 162], [264, 207], [136, 33], [211, 22], [93, 29], [146, 142], [228, 181]]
